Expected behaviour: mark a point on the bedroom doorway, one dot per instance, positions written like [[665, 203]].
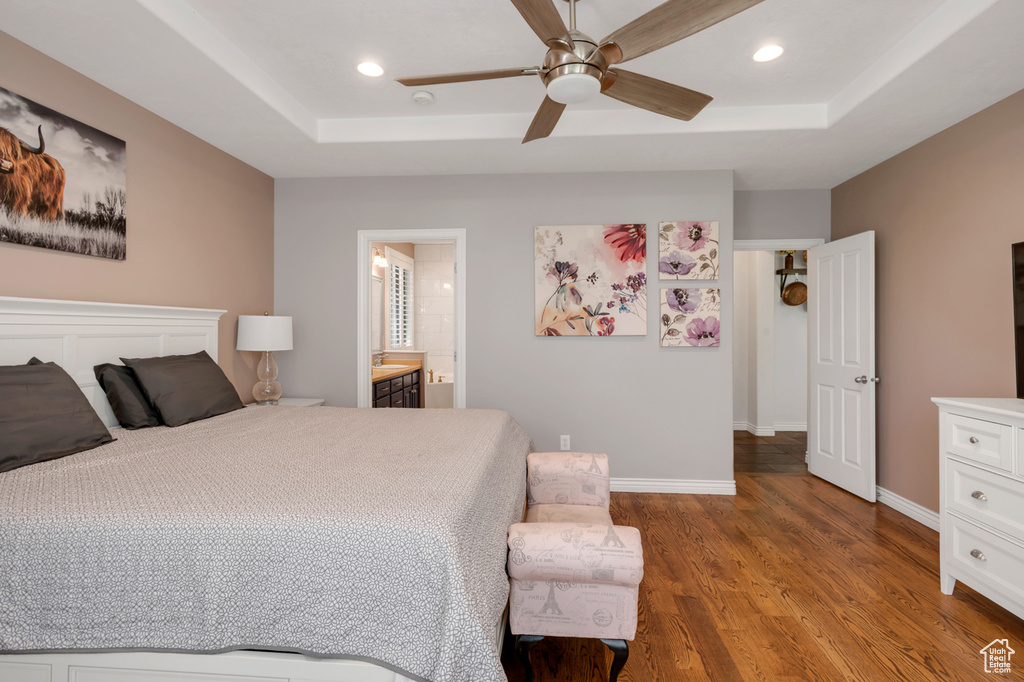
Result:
[[769, 356], [411, 305]]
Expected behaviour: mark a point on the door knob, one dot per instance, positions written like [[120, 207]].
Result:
[[863, 379]]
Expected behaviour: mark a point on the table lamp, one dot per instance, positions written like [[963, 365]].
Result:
[[265, 334]]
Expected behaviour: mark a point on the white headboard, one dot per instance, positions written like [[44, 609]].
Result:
[[78, 335]]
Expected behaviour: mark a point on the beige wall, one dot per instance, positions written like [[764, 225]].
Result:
[[945, 213], [200, 222]]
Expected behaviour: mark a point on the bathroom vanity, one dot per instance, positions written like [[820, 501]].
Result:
[[398, 385]]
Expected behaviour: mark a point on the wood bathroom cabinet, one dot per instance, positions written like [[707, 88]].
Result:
[[399, 391]]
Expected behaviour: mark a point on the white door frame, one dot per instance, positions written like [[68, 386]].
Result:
[[766, 375], [364, 238]]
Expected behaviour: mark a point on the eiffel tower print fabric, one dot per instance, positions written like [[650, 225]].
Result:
[[574, 579], [567, 478]]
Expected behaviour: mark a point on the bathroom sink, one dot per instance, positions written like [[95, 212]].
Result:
[[393, 367]]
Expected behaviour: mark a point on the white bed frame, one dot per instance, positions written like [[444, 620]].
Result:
[[78, 335]]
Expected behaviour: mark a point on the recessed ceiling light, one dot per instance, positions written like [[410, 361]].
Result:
[[371, 69], [768, 53]]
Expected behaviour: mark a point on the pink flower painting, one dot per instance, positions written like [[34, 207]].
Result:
[[691, 317], [591, 280], [688, 250]]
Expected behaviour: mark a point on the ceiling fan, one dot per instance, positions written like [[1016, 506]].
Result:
[[576, 67]]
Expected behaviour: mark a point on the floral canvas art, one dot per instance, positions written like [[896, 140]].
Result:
[[690, 317], [688, 250], [591, 280]]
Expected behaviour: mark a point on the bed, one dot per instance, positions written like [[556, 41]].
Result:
[[306, 543]]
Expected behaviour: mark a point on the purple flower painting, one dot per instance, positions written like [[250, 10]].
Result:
[[688, 250], [691, 317], [702, 331], [590, 280]]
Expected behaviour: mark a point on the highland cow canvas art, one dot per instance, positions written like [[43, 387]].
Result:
[[591, 280], [63, 184]]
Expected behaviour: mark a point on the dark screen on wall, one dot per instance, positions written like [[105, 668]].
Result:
[[1018, 312]]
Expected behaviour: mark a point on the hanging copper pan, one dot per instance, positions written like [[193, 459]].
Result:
[[795, 293]]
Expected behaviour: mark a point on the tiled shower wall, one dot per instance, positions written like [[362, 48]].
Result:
[[434, 298]]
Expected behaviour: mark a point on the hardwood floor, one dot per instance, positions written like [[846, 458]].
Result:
[[782, 453], [791, 579]]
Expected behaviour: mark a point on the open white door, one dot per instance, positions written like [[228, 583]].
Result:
[[841, 363]]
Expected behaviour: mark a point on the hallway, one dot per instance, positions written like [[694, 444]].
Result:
[[782, 453]]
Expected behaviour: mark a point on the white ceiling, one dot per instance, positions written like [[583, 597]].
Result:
[[273, 83]]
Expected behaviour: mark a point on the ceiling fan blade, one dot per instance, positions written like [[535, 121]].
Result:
[[467, 76], [543, 18], [670, 22], [654, 95], [545, 120]]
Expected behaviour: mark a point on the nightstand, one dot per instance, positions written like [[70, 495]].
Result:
[[294, 402]]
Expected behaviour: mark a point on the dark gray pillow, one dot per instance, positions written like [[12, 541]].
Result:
[[44, 415], [185, 388], [130, 406]]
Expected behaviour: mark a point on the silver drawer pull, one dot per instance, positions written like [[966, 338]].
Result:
[[978, 554], [974, 440], [978, 495]]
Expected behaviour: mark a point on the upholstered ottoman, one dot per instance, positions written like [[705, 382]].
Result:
[[573, 572]]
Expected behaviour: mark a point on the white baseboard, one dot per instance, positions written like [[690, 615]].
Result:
[[671, 485], [756, 430], [788, 426], [915, 511]]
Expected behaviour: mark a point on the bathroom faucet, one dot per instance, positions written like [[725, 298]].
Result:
[[378, 360]]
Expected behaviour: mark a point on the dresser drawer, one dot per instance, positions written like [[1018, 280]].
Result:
[[980, 441], [996, 562], [986, 497]]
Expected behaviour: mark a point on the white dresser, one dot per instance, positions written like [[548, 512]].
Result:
[[981, 447]]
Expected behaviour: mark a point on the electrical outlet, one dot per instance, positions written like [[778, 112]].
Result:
[[563, 442]]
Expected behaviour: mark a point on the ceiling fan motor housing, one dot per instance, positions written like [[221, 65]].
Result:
[[573, 73]]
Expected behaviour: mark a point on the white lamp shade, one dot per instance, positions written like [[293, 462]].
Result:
[[264, 332]]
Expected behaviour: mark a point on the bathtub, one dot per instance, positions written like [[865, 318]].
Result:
[[440, 393]]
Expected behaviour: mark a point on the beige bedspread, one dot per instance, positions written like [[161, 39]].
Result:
[[373, 534]]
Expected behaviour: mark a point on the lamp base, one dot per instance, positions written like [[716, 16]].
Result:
[[267, 391]]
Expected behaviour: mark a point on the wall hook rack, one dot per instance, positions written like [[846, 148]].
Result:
[[788, 270]]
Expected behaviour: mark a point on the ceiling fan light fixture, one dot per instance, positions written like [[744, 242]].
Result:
[[573, 88], [768, 53]]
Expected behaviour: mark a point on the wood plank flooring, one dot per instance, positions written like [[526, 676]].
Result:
[[791, 579], [782, 453]]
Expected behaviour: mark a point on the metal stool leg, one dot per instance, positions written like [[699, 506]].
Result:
[[523, 645], [621, 649]]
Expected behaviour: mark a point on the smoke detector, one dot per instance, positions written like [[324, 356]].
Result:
[[422, 97]]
